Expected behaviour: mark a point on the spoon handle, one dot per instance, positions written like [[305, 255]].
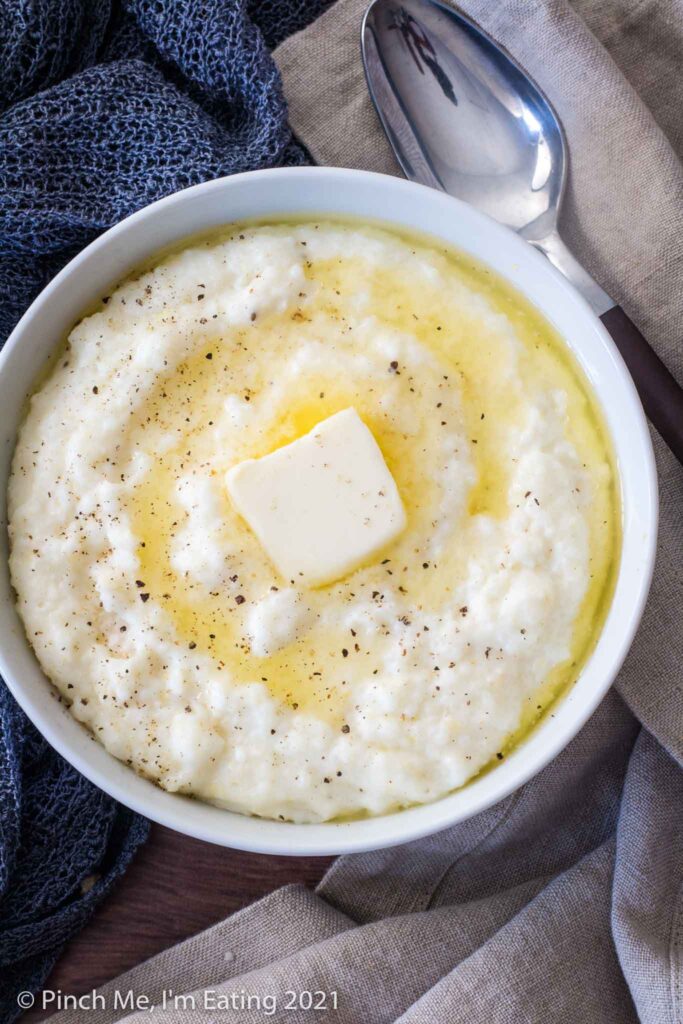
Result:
[[660, 392]]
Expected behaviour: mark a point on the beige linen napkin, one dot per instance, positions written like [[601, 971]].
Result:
[[563, 904]]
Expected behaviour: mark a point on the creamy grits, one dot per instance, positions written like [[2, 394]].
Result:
[[158, 615]]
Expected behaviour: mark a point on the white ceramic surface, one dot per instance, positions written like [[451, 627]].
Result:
[[317, 191]]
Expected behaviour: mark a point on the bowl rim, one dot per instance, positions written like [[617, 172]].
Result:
[[263, 835]]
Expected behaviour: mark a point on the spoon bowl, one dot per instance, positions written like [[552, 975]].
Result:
[[454, 86]]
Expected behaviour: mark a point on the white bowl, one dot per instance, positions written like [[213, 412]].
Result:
[[317, 191]]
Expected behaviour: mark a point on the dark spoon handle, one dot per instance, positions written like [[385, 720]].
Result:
[[660, 392]]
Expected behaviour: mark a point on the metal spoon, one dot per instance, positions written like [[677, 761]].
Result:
[[462, 117]]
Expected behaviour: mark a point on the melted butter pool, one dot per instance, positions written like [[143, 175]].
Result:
[[314, 674]]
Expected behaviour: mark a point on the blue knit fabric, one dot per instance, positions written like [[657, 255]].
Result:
[[105, 106]]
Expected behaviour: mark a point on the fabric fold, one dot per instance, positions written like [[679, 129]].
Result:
[[647, 897], [276, 928]]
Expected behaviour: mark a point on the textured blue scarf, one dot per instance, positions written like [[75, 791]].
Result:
[[105, 105]]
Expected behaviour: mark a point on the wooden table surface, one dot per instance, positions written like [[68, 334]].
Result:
[[174, 888]]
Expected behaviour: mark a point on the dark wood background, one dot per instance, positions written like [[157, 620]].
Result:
[[175, 887]]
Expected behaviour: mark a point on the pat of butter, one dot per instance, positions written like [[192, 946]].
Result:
[[322, 505]]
